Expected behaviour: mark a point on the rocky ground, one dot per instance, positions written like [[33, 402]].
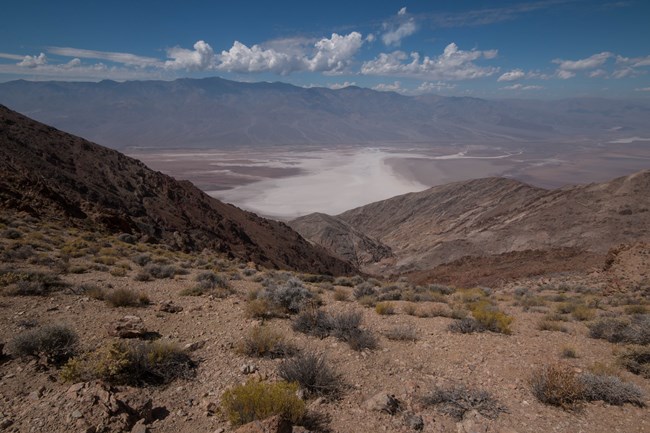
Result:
[[210, 328]]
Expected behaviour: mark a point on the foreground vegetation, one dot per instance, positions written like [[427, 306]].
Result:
[[287, 323]]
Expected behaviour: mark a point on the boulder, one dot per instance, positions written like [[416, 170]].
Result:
[[274, 424], [128, 327], [383, 402]]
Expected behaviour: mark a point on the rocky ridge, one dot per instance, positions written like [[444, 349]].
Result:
[[54, 175]]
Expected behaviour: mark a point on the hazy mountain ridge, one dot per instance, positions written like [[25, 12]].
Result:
[[492, 216], [54, 175], [214, 112]]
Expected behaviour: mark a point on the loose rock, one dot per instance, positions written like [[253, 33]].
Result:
[[128, 327], [383, 402]]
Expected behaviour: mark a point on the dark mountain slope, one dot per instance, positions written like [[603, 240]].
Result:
[[52, 174]]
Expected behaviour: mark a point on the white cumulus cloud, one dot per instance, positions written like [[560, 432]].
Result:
[[116, 57], [514, 75], [598, 73], [336, 86], [201, 58], [395, 86], [452, 64], [591, 62], [33, 61], [520, 86], [634, 62], [429, 87], [401, 27], [564, 75], [329, 55]]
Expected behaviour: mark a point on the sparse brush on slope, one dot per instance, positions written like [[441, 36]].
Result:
[[344, 326], [136, 363], [313, 373], [262, 341], [636, 330], [456, 400], [561, 385], [56, 343]]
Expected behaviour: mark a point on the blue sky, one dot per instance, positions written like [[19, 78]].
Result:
[[502, 49]]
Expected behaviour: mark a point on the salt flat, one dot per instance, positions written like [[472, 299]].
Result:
[[287, 182]]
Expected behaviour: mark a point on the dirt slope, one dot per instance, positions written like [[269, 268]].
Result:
[[491, 216], [341, 239]]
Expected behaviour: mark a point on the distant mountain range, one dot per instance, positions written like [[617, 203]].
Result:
[[213, 112], [417, 232], [50, 174]]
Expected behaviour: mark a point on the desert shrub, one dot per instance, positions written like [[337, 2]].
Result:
[[326, 285], [17, 253], [583, 313], [634, 331], [569, 352], [160, 271], [30, 283], [141, 259], [521, 292], [343, 326], [555, 317], [142, 276], [313, 374], [548, 325], [384, 308], [442, 289], [135, 363], [105, 260], [56, 343], [528, 302], [363, 289], [610, 389], [258, 309], [124, 297], [78, 269], [343, 281], [560, 385], [289, 297], [470, 296], [118, 272], [90, 290], [127, 238], [402, 333], [361, 340], [456, 400], [261, 341], [11, 233], [209, 283], [249, 272], [259, 400], [466, 326], [391, 294], [636, 309], [557, 385], [340, 294], [367, 301], [317, 278], [409, 309], [491, 318], [313, 322], [636, 360]]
